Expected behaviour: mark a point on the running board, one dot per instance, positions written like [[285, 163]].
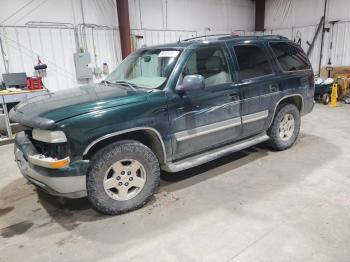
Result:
[[213, 154]]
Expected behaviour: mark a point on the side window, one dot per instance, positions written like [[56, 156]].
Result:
[[210, 62], [252, 61], [290, 57]]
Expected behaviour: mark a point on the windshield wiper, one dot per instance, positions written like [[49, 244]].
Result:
[[105, 82], [122, 82]]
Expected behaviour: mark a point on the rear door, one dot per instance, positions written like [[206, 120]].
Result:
[[204, 119], [258, 84]]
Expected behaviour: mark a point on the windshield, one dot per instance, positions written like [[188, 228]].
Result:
[[146, 68]]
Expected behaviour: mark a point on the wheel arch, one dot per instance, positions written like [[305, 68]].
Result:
[[148, 136], [295, 99]]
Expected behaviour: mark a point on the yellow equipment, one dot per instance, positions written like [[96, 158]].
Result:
[[334, 95], [345, 84]]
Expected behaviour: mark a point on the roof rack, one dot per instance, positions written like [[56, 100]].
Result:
[[273, 36], [257, 37], [204, 36], [227, 36]]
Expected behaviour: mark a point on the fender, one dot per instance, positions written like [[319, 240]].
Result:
[[125, 132]]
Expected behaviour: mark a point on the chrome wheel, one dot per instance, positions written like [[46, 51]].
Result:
[[286, 127], [124, 179]]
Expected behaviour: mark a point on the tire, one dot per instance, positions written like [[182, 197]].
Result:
[[281, 136], [104, 191], [326, 98]]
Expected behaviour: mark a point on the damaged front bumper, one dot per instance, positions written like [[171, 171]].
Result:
[[69, 182]]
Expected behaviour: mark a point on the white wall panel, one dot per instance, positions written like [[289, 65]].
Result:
[[306, 34], [158, 21], [340, 52], [294, 18], [292, 13], [55, 47], [18, 12], [196, 15], [156, 37], [338, 10]]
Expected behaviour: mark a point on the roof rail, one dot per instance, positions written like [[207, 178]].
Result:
[[260, 36], [204, 36], [273, 36], [226, 36]]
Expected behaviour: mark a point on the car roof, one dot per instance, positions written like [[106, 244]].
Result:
[[203, 40]]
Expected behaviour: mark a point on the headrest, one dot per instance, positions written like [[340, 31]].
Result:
[[214, 63]]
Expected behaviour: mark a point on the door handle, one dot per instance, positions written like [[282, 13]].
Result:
[[234, 96], [273, 87]]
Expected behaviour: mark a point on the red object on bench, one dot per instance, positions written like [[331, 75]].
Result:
[[34, 83]]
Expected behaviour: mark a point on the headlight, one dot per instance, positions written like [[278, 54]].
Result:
[[49, 136]]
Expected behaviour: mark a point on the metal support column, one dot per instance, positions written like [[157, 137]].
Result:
[[322, 37], [259, 15], [124, 26]]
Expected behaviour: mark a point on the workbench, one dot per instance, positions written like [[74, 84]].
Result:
[[14, 96]]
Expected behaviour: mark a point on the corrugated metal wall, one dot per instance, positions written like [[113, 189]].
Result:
[[296, 19], [55, 47], [155, 37], [305, 34], [338, 38]]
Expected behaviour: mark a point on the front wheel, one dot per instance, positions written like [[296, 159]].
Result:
[[123, 177], [285, 127]]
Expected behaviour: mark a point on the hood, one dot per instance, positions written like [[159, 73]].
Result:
[[56, 106]]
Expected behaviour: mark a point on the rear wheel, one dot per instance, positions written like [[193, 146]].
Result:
[[123, 177], [285, 127]]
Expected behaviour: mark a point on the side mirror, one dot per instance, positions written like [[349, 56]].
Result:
[[191, 83]]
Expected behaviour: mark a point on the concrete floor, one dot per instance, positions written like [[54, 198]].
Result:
[[255, 205]]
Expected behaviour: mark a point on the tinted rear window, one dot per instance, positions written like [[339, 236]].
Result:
[[290, 57], [252, 61]]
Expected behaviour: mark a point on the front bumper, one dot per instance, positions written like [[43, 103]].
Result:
[[69, 182]]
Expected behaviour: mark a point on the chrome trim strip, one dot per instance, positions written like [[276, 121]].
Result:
[[255, 117], [263, 96], [284, 97], [127, 131], [207, 129]]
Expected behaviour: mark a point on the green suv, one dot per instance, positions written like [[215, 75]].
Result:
[[168, 107]]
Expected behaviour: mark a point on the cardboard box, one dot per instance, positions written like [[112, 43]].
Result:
[[337, 71]]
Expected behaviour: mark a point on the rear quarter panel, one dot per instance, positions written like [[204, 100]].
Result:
[[299, 83]]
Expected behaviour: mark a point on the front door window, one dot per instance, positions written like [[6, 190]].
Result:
[[211, 64]]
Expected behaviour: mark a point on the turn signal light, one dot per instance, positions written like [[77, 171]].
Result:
[[60, 163]]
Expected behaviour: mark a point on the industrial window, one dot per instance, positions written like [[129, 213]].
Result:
[[291, 57], [252, 61], [210, 62]]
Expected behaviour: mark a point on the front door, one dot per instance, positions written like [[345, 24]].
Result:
[[258, 84], [204, 119]]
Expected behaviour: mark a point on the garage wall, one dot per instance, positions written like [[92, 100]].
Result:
[[55, 45], [218, 15], [156, 21], [161, 21], [299, 19], [19, 12]]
